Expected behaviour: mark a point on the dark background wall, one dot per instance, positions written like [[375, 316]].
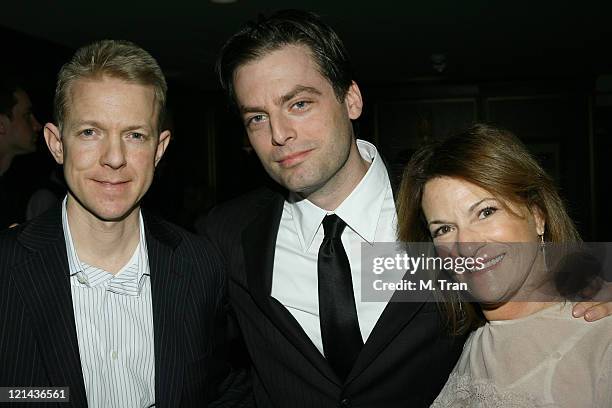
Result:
[[541, 70]]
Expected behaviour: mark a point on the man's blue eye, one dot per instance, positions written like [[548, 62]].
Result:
[[301, 104], [256, 119]]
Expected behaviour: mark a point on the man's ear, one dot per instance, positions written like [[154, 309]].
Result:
[[54, 142], [353, 101], [162, 145]]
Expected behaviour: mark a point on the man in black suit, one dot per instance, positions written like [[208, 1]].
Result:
[[292, 250], [97, 295]]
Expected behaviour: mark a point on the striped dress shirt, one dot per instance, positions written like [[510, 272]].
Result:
[[114, 323]]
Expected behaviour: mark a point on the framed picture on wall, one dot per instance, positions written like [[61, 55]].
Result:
[[404, 125]]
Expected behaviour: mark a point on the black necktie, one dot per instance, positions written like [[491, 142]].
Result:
[[337, 312]]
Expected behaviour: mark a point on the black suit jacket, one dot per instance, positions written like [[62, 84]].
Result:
[[404, 363], [38, 342]]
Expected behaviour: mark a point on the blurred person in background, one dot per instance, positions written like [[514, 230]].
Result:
[[19, 131]]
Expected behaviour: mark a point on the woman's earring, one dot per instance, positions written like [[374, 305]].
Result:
[[543, 247]]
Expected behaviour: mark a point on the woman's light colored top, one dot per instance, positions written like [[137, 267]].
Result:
[[547, 359]]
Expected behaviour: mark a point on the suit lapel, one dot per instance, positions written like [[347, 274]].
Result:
[[44, 284], [396, 315], [399, 312], [169, 284], [259, 244]]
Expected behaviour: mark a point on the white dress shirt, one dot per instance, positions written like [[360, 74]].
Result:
[[369, 212], [114, 323]]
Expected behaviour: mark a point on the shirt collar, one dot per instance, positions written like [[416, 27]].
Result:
[[91, 276], [366, 198]]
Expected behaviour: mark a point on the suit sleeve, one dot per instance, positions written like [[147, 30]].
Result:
[[235, 389]]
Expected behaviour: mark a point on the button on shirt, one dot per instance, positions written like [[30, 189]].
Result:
[[114, 323], [369, 212]]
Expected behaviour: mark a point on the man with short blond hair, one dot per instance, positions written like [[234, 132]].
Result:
[[98, 295]]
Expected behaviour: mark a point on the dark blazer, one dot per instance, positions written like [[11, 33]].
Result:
[[38, 341], [404, 363]]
